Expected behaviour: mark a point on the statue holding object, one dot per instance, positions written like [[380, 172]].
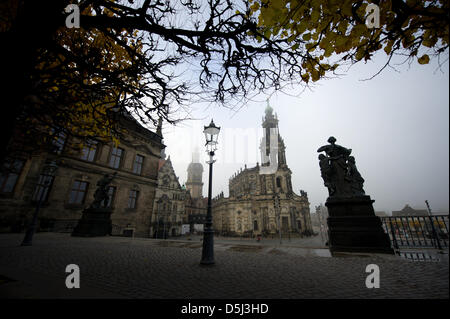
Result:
[[96, 220], [339, 172], [101, 193], [352, 223]]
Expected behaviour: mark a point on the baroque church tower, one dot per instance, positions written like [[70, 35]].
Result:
[[261, 199], [276, 175], [194, 183]]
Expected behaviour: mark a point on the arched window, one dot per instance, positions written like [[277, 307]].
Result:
[[279, 182]]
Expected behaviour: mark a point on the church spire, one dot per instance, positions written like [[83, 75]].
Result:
[[269, 109]]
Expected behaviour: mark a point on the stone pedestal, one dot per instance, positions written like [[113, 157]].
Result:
[[94, 222], [354, 227]]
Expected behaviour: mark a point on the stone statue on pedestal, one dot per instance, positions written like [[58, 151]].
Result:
[[355, 179], [101, 193], [339, 172], [96, 220], [352, 223], [325, 172]]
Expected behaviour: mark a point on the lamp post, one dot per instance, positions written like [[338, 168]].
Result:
[[48, 173], [211, 133]]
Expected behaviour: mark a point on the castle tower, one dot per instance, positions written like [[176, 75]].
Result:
[[194, 183]]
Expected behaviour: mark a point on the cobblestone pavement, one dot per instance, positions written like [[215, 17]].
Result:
[[305, 242], [118, 267]]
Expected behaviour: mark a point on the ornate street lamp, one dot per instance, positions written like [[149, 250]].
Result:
[[48, 174], [211, 133]]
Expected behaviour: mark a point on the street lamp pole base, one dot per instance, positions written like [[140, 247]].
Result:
[[28, 240], [208, 248]]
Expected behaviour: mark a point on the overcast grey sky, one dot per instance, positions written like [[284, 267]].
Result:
[[397, 125]]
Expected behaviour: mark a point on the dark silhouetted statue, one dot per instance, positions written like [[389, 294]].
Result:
[[352, 223], [355, 179], [96, 220], [101, 193], [338, 170]]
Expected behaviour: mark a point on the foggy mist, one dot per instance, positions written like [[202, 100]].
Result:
[[396, 124]]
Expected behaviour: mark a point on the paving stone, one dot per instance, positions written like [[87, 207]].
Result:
[[148, 268]]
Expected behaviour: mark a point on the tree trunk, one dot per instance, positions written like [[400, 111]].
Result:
[[32, 29]]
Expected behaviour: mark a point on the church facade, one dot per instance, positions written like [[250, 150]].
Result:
[[261, 199]]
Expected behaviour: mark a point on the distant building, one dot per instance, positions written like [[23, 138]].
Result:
[[381, 214], [169, 203], [321, 216], [194, 183], [409, 211], [195, 203]]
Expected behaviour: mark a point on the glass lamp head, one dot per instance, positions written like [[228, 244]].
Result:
[[211, 134]]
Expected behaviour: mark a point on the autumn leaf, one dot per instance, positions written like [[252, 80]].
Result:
[[424, 59]]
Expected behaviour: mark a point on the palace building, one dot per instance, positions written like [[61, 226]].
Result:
[[178, 205], [169, 203], [261, 199], [132, 192]]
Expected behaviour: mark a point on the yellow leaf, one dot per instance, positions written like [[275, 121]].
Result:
[[424, 59]]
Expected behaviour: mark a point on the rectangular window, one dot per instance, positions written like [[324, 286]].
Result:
[[116, 156], [111, 194], [58, 141], [78, 192], [132, 200], [89, 150], [10, 174], [42, 188], [137, 166]]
